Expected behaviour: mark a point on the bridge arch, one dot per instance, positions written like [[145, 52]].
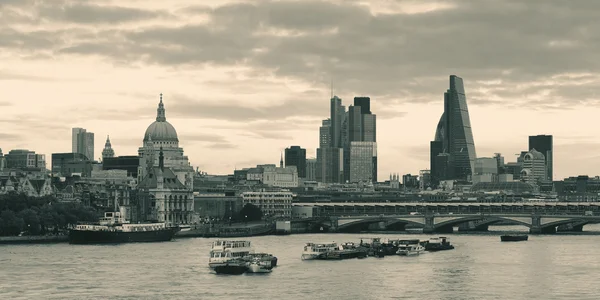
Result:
[[485, 221], [367, 221], [578, 222]]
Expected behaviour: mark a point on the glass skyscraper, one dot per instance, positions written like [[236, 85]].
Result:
[[454, 132]]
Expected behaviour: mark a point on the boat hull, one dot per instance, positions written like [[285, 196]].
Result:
[[113, 237], [513, 238], [433, 248]]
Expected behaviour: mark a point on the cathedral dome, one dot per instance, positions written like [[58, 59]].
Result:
[[161, 130]]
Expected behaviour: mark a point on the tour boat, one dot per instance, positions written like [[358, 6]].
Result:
[[313, 251], [409, 250], [438, 244], [227, 257], [113, 228], [514, 237]]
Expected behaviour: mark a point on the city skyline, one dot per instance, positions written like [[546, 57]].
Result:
[[232, 115]]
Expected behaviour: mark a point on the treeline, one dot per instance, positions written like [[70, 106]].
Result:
[[39, 216]]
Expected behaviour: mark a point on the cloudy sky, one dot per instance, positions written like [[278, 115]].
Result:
[[242, 80]]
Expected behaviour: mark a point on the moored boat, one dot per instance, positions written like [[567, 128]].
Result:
[[259, 265], [113, 228], [227, 257], [313, 251], [410, 249], [235, 266], [438, 244], [514, 237]]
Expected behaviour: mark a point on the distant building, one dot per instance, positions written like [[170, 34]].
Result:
[[108, 151], [410, 181], [486, 170], [127, 163], [163, 197], [83, 142], [25, 160], [2, 160], [578, 189], [216, 204], [69, 164], [455, 134], [363, 157], [271, 203], [543, 144], [325, 134], [330, 165], [161, 134], [296, 156], [273, 176], [311, 169], [435, 149], [534, 167], [424, 179]]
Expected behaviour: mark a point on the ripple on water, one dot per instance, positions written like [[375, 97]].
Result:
[[481, 267]]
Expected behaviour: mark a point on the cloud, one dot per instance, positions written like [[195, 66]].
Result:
[[4, 103], [9, 137], [237, 111], [403, 55]]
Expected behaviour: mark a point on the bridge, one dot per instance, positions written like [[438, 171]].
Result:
[[443, 217]]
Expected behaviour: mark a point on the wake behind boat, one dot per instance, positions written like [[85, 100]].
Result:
[[113, 228]]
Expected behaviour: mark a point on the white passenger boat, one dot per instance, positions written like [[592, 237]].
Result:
[[409, 250], [312, 250], [227, 257]]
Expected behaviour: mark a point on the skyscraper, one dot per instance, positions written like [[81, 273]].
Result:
[[83, 142], [361, 128], [543, 144], [454, 131], [325, 134], [296, 156], [337, 113]]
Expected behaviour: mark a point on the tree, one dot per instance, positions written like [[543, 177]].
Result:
[[10, 224], [31, 221], [250, 212]]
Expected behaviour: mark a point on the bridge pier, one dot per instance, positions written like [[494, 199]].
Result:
[[443, 229], [570, 228], [542, 230], [472, 226]]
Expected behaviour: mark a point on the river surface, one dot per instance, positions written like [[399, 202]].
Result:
[[481, 267]]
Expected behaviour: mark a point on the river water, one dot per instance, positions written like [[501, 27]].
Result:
[[481, 267]]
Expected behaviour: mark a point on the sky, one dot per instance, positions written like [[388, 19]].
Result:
[[243, 80]]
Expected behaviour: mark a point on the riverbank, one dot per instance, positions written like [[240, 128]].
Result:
[[34, 239], [232, 230]]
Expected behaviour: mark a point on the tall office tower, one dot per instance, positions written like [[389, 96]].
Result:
[[454, 131], [435, 149], [311, 169], [543, 144], [325, 134], [368, 120], [296, 156], [364, 103], [330, 165], [83, 142], [361, 128], [336, 115]]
